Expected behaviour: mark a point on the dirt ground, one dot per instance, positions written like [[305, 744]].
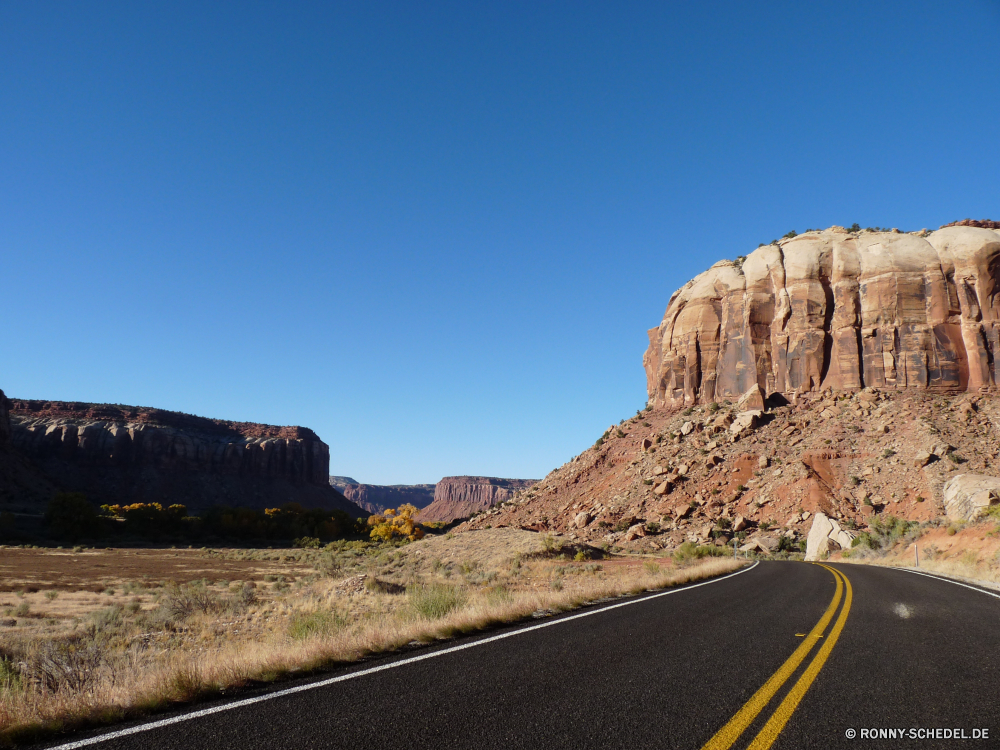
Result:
[[96, 570]]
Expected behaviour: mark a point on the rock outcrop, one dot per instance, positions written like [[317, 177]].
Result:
[[835, 309], [124, 454], [966, 496], [375, 498], [824, 533], [458, 497]]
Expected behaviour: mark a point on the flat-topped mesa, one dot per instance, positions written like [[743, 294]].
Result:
[[126, 454], [835, 309], [113, 435], [458, 497]]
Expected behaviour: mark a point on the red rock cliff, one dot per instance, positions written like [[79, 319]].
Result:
[[136, 454], [837, 309], [375, 498], [458, 497]]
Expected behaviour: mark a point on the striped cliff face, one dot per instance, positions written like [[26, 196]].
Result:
[[835, 309]]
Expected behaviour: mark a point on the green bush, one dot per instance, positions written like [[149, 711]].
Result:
[[691, 551], [321, 622], [435, 601]]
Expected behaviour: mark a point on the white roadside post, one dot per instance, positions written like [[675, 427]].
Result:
[[916, 556]]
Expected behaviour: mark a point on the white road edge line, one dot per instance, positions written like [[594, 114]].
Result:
[[949, 580], [361, 673]]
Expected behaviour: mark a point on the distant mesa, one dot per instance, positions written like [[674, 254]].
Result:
[[375, 498], [128, 454], [460, 497], [837, 309], [339, 482]]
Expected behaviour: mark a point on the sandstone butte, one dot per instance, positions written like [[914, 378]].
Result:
[[835, 309], [883, 346], [458, 497], [125, 454]]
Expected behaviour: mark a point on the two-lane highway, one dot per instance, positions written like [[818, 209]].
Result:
[[783, 655]]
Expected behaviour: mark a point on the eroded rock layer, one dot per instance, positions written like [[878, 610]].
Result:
[[375, 498], [123, 454], [458, 497], [835, 309]]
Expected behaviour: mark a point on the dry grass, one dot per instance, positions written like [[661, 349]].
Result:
[[962, 550], [194, 640]]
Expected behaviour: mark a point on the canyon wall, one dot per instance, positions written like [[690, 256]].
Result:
[[375, 498], [459, 497], [125, 454], [835, 309]]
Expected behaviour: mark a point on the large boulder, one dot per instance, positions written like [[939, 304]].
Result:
[[834, 309], [824, 532], [966, 496]]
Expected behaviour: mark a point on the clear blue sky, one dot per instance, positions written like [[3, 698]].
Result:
[[437, 233]]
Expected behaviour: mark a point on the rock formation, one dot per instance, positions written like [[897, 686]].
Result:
[[124, 454], [375, 498], [824, 533], [967, 496], [458, 497], [835, 309]]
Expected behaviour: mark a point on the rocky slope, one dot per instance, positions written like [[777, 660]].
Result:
[[808, 433], [125, 454], [374, 498], [669, 476], [835, 309], [458, 497]]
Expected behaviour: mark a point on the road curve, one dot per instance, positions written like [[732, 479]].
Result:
[[911, 653]]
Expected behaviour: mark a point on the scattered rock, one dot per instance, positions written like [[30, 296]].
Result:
[[582, 519], [752, 400], [823, 532]]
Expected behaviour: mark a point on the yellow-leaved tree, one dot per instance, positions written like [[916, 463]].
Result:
[[396, 524]]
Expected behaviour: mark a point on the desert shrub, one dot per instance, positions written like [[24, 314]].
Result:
[[433, 602], [321, 622], [651, 567], [10, 676], [73, 663], [396, 525], [22, 609], [498, 595], [581, 555], [307, 542], [652, 527], [551, 545], [691, 551], [181, 602], [69, 515], [888, 453]]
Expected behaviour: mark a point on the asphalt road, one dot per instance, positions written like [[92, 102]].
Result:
[[898, 650]]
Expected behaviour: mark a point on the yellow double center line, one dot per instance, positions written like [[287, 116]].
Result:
[[731, 732]]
